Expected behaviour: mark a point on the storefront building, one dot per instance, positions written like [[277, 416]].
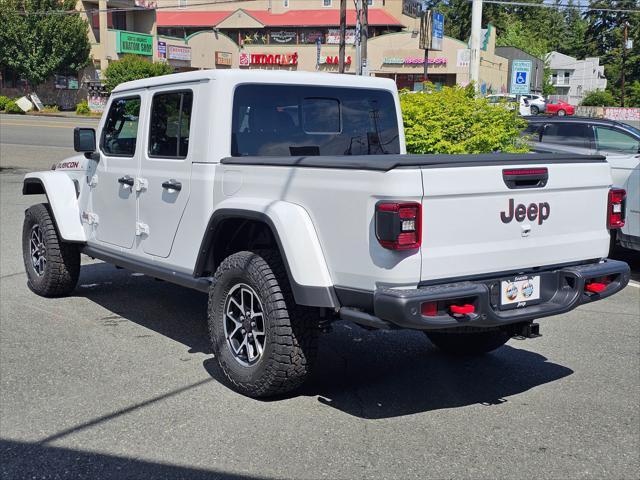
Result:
[[295, 35], [308, 41]]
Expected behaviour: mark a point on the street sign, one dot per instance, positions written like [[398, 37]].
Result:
[[437, 32], [521, 77]]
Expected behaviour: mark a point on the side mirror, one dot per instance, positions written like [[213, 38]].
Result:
[[84, 139]]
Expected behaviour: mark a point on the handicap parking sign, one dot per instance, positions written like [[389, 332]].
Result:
[[520, 77]]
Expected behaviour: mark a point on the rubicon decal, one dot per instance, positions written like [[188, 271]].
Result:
[[67, 165], [539, 211]]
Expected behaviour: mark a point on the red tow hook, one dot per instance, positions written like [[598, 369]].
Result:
[[595, 287], [462, 309]]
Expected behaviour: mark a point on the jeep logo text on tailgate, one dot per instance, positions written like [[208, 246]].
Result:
[[540, 211]]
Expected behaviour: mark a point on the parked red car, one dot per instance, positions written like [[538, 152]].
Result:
[[560, 108]]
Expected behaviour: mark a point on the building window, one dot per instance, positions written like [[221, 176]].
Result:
[[370, 3], [119, 20], [566, 78], [285, 3], [326, 3], [182, 3]]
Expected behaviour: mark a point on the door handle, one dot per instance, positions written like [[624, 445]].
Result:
[[126, 180], [172, 185]]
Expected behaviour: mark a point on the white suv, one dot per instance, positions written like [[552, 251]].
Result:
[[511, 101], [537, 103]]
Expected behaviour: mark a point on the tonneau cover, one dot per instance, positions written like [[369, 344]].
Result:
[[385, 163]]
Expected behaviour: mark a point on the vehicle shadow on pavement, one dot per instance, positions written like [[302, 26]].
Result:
[[367, 374], [631, 257], [35, 460], [378, 374], [173, 311]]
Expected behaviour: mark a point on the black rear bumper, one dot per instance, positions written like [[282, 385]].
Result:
[[562, 290]]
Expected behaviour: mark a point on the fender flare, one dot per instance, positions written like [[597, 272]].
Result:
[[61, 195], [299, 248]]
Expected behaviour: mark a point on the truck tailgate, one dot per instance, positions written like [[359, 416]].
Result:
[[474, 223]]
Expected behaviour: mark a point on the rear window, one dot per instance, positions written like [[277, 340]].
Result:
[[285, 120], [572, 134]]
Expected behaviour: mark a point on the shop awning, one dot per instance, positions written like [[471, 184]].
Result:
[[294, 18]]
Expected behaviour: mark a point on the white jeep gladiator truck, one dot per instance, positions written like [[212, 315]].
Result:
[[290, 199]]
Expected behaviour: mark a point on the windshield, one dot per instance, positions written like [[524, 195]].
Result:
[[284, 120]]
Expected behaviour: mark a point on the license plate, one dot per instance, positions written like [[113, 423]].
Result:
[[519, 291]]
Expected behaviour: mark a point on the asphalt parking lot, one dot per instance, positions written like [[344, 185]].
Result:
[[118, 381]]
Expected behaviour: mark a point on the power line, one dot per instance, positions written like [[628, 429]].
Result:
[[563, 5], [222, 2], [127, 9]]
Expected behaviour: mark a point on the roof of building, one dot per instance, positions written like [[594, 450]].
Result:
[[292, 18]]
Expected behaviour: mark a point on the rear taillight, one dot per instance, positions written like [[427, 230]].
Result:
[[615, 209], [398, 225]]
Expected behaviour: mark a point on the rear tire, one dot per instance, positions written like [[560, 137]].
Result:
[[52, 265], [476, 343], [561, 113], [271, 347]]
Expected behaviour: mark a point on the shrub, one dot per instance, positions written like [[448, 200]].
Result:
[[50, 109], [598, 98], [83, 108], [12, 107], [452, 120], [133, 67], [3, 102]]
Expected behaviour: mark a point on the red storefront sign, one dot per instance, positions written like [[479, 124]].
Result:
[[284, 59]]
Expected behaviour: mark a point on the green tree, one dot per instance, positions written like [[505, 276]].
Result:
[[133, 67], [604, 39], [36, 45], [452, 120], [517, 34], [633, 94], [576, 31]]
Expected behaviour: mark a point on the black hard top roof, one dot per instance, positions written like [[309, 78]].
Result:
[[572, 119]]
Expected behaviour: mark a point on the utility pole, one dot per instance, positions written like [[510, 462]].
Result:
[[476, 30], [365, 36], [343, 32], [358, 36], [625, 39]]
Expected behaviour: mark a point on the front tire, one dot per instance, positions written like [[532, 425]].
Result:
[[264, 343], [476, 343], [534, 110], [561, 113], [52, 265]]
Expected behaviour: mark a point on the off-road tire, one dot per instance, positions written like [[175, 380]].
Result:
[[62, 269], [475, 343], [291, 331]]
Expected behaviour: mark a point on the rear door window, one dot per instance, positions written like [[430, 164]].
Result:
[[291, 120], [571, 134], [609, 139], [170, 123]]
